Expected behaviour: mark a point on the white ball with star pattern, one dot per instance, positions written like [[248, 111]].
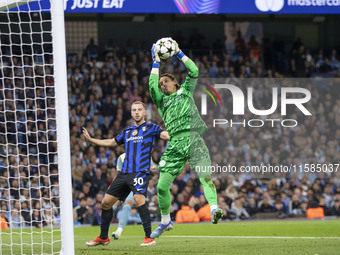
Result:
[[166, 47]]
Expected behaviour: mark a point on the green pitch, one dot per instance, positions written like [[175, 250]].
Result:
[[266, 237]]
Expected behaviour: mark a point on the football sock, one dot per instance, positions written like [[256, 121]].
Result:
[[165, 219], [146, 220], [124, 216], [119, 230], [105, 223], [209, 191], [163, 190], [213, 207]]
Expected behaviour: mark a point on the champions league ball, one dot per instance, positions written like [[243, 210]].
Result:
[[166, 47]]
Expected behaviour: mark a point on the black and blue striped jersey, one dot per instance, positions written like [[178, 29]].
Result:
[[138, 144]]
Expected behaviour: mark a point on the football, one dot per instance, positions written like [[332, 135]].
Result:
[[166, 47]]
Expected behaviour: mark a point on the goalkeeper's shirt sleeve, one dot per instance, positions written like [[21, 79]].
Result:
[[155, 92], [191, 78]]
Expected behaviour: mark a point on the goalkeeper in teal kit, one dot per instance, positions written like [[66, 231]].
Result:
[[176, 106]]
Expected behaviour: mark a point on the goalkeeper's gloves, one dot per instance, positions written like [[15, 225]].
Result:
[[178, 53], [155, 57]]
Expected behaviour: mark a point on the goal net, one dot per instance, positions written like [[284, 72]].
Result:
[[35, 180]]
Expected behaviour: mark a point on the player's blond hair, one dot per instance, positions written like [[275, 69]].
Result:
[[139, 102]]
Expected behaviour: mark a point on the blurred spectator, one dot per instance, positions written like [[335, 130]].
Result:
[[237, 211], [204, 213], [3, 221], [77, 173], [25, 213], [90, 217], [49, 217], [325, 67], [294, 205], [15, 219], [99, 181], [299, 62], [37, 220], [92, 50], [80, 211], [265, 206], [154, 208], [251, 207], [186, 214], [255, 50], [336, 208]]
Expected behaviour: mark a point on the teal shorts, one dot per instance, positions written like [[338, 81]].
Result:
[[187, 148]]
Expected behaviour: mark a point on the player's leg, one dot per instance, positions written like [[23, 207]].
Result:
[[123, 218], [107, 215], [105, 220], [201, 163], [211, 196], [144, 213], [118, 189], [164, 195], [139, 185], [116, 206], [171, 165]]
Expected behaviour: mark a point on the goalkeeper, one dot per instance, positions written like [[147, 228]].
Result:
[[176, 106]]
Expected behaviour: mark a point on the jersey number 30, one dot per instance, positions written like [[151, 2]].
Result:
[[138, 181]]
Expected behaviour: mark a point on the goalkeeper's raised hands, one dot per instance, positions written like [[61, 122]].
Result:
[[178, 53], [155, 57]]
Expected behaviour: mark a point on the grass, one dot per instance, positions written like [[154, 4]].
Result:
[[230, 239]]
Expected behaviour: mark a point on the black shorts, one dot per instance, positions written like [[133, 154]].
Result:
[[125, 183]]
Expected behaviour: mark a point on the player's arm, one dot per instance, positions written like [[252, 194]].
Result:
[[155, 92], [164, 135], [189, 64], [103, 142], [153, 171], [191, 78]]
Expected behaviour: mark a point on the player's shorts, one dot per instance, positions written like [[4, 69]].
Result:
[[124, 183], [182, 149]]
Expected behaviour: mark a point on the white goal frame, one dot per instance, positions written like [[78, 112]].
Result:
[[62, 118], [63, 134]]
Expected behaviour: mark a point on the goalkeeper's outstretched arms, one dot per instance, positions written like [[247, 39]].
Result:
[[193, 69], [104, 142], [155, 92]]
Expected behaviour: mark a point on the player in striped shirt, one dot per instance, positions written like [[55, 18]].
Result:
[[135, 173], [128, 203]]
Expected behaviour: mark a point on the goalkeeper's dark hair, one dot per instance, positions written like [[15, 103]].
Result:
[[171, 77]]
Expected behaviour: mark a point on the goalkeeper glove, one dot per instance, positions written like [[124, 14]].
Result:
[[155, 57], [178, 53]]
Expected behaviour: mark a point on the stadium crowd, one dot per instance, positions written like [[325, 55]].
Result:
[[102, 84]]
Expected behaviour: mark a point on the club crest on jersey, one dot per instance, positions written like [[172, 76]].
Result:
[[135, 132], [180, 91], [162, 163]]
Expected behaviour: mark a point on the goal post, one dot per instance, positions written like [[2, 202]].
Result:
[[63, 136], [36, 211]]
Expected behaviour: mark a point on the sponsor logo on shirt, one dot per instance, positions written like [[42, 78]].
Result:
[[175, 101], [136, 139]]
